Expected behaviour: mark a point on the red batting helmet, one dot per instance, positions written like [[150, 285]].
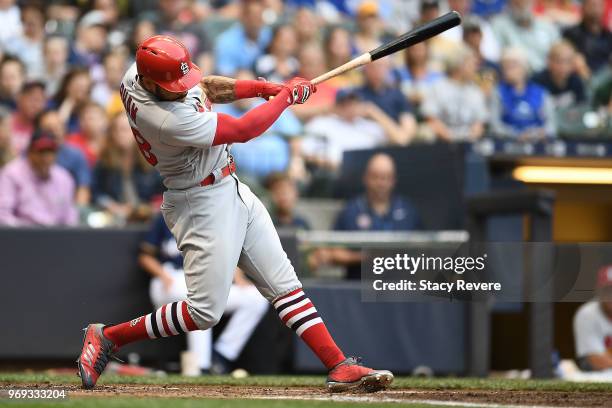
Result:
[[167, 62]]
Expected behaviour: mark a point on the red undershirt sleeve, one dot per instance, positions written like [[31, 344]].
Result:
[[251, 124]]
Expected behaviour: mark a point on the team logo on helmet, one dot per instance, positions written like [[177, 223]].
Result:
[[184, 68]]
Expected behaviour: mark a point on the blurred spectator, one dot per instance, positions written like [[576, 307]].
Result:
[[279, 64], [94, 126], [240, 46], [266, 154], [455, 109], [312, 64], [487, 8], [143, 29], [339, 51], [488, 71], [55, 52], [395, 113], [124, 184], [30, 102], [518, 27], [29, 44], [90, 41], [560, 78], [354, 124], [284, 196], [378, 209], [369, 27], [593, 326], [161, 258], [416, 77], [68, 157], [308, 26], [6, 145], [591, 37], [34, 190], [404, 15], [10, 21], [562, 13], [520, 109], [106, 91], [73, 93], [173, 17], [12, 77], [488, 47]]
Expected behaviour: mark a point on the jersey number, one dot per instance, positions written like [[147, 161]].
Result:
[[145, 147]]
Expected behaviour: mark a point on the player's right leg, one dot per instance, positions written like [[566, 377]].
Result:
[[204, 222]]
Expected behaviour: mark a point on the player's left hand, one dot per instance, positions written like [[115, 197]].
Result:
[[300, 90]]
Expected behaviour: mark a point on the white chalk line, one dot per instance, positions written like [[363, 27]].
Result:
[[385, 399]]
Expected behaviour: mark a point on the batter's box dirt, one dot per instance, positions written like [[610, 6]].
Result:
[[393, 395]]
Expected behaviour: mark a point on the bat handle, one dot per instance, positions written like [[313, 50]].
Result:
[[352, 64]]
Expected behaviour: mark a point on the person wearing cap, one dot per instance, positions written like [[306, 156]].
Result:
[[593, 326], [34, 190], [369, 27], [352, 125], [90, 42]]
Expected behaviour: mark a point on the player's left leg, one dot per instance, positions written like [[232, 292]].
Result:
[[265, 262]]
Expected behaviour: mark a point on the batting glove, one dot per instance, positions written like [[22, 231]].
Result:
[[300, 90]]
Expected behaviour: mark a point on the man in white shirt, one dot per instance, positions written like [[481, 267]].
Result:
[[593, 326], [352, 126]]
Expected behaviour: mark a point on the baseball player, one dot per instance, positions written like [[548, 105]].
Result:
[[216, 220]]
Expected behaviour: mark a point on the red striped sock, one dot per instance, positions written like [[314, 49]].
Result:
[[168, 320], [300, 315]]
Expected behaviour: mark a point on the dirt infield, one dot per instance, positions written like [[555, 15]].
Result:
[[393, 395]]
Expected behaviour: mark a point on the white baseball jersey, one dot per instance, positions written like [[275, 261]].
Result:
[[176, 137], [592, 330]]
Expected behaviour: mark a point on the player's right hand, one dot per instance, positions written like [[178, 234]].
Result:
[[300, 90]]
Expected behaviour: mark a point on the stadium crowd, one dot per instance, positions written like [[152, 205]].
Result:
[[67, 151]]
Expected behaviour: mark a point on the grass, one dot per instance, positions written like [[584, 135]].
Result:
[[499, 384]]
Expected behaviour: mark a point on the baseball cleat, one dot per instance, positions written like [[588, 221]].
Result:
[[351, 375], [94, 357]]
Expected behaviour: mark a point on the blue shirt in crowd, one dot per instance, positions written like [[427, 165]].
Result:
[[235, 51], [525, 110], [390, 100], [160, 239], [357, 215], [73, 160]]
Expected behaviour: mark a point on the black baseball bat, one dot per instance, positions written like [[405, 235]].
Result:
[[421, 33]]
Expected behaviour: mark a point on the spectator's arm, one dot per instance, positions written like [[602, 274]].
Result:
[[439, 128], [8, 201], [71, 214], [395, 133]]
